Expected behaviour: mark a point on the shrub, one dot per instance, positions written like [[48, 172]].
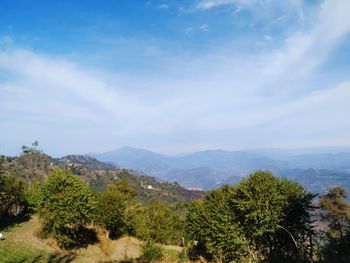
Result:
[[152, 252], [156, 222], [112, 209], [263, 218], [66, 206]]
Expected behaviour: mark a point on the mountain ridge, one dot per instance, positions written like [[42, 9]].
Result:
[[208, 169]]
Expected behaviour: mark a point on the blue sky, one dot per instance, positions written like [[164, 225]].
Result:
[[174, 76]]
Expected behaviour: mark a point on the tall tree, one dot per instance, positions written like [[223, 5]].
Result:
[[66, 207], [12, 201], [263, 218], [274, 214], [211, 223], [156, 222], [336, 213], [113, 207]]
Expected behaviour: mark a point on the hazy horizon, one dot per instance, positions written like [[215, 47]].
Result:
[[174, 77]]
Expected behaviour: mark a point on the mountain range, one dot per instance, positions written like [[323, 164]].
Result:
[[211, 168]]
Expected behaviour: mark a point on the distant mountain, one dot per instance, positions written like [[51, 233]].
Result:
[[318, 181], [239, 163], [134, 158], [330, 161], [284, 154], [212, 168], [205, 169], [199, 178]]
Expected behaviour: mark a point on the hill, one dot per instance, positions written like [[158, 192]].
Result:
[[97, 174], [212, 168]]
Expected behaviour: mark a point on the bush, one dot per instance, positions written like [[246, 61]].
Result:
[[66, 206], [12, 201], [112, 209], [262, 218], [156, 222], [152, 252]]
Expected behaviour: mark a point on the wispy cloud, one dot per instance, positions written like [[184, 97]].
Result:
[[219, 98], [163, 6], [204, 28], [209, 4], [262, 9]]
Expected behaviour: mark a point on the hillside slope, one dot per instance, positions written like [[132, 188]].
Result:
[[23, 244], [37, 165]]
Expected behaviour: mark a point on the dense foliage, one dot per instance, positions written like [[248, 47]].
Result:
[[66, 207], [337, 216], [152, 252], [12, 200], [261, 218], [156, 222], [114, 208]]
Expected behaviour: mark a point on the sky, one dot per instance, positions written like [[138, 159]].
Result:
[[174, 76]]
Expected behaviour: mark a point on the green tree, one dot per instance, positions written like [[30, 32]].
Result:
[[156, 222], [113, 208], [32, 194], [12, 201], [336, 213], [274, 215], [263, 218], [212, 225], [66, 207]]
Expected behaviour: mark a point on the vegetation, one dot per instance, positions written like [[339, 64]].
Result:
[[261, 219], [66, 206], [337, 216], [152, 252], [156, 222], [12, 200], [114, 208]]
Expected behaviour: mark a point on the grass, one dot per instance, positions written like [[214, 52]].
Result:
[[12, 252], [22, 244]]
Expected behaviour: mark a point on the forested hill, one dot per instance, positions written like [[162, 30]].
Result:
[[33, 165]]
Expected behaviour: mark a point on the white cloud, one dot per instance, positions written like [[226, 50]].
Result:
[[261, 9], [204, 28], [220, 99], [163, 6], [188, 30], [305, 51], [209, 4]]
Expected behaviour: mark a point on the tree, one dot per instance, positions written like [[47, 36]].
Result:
[[274, 214], [336, 213], [113, 207], [263, 218], [66, 207], [12, 200], [155, 222], [32, 194], [212, 225]]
